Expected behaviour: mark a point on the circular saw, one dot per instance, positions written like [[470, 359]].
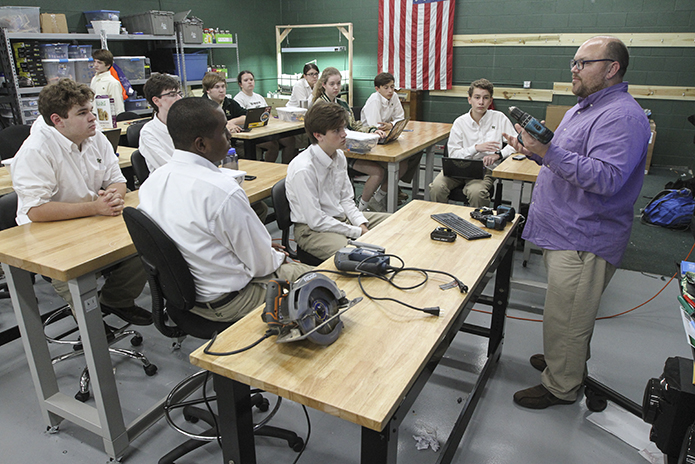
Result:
[[309, 308]]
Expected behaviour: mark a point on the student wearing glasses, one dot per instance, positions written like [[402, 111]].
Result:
[[582, 211], [302, 90], [155, 145]]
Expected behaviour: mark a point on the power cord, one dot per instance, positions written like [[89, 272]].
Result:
[[268, 333]]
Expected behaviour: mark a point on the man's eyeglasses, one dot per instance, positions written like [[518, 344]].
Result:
[[172, 94], [313, 74], [580, 63]]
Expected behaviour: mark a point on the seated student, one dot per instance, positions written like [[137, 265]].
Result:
[[327, 89], [383, 109], [207, 214], [302, 90], [475, 135], [319, 191], [103, 83], [67, 169], [248, 99], [155, 144], [215, 88]]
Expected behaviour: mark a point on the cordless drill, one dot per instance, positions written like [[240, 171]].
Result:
[[532, 125]]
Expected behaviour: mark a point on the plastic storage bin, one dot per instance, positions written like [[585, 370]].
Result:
[[191, 27], [132, 104], [291, 113], [102, 15], [56, 70], [360, 142], [110, 27], [196, 65], [57, 51], [132, 66], [84, 71], [20, 18], [153, 22], [80, 51]]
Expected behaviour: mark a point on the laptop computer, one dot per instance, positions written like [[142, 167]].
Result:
[[395, 131], [114, 136], [466, 169], [256, 117]]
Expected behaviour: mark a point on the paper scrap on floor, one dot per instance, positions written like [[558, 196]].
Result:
[[629, 428]]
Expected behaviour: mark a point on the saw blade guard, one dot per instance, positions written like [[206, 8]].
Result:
[[313, 300]]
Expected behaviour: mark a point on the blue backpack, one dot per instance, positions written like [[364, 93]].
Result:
[[670, 208]]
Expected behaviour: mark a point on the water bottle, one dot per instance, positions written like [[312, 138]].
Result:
[[231, 161]]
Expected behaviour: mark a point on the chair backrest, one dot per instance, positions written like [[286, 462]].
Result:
[[282, 214], [142, 172], [8, 210], [11, 138], [133, 134], [169, 277], [127, 116]]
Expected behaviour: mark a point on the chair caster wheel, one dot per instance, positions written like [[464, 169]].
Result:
[[264, 405], [594, 401], [524, 263], [297, 445], [136, 340], [82, 396], [191, 419], [150, 370]]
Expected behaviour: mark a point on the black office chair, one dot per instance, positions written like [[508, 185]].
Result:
[[142, 172], [282, 216], [458, 195], [11, 138], [8, 213], [133, 134], [127, 116], [173, 296]]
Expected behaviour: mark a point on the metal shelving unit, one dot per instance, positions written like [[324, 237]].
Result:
[[13, 93]]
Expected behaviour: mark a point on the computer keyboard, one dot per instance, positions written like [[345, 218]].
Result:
[[459, 225]]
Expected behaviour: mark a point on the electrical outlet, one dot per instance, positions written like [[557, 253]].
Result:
[[527, 84]]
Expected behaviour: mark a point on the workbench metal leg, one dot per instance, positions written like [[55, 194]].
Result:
[[392, 194], [103, 382], [429, 170], [379, 447], [415, 184], [31, 327], [500, 300], [236, 422]]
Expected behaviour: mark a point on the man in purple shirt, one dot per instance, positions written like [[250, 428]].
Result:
[[581, 211]]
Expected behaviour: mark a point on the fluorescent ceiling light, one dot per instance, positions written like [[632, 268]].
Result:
[[313, 49]]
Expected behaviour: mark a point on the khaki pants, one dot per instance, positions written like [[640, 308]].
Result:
[[476, 190], [576, 281], [124, 283], [251, 296], [323, 245]]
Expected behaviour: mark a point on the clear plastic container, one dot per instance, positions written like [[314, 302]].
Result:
[[80, 51], [291, 113], [110, 27], [102, 15], [56, 70], [20, 18], [56, 51], [132, 104], [84, 71], [360, 142], [132, 66]]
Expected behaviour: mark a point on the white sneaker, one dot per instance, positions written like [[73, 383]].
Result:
[[377, 206]]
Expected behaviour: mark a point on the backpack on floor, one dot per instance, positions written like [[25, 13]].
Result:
[[670, 208]]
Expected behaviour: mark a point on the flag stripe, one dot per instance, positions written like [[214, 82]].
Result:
[[416, 42]]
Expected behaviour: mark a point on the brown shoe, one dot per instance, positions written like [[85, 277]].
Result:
[[538, 362], [537, 397]]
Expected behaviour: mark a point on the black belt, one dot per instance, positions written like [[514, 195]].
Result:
[[219, 303]]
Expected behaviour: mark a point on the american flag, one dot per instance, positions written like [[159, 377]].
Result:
[[416, 42]]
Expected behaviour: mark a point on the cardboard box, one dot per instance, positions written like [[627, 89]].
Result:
[[53, 23], [554, 115], [650, 148]]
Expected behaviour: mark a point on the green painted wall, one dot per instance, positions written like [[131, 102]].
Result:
[[507, 66]]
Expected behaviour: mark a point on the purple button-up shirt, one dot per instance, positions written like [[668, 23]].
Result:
[[591, 177]]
